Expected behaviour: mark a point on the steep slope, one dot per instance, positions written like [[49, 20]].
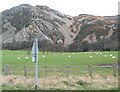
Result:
[[23, 22], [99, 32]]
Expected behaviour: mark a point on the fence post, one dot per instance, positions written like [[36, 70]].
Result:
[[14, 71], [6, 68], [57, 69], [90, 70], [45, 70], [67, 71], [114, 70], [25, 70]]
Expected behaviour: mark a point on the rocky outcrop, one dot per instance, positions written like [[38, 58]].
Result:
[[24, 22]]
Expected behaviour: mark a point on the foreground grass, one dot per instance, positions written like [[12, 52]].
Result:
[[72, 59], [61, 83]]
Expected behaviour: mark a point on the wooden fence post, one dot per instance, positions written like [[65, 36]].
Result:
[[90, 70], [114, 70], [25, 70], [45, 70], [6, 68], [14, 71], [57, 70], [67, 71]]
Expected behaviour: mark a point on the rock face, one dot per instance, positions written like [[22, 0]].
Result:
[[22, 23], [100, 33]]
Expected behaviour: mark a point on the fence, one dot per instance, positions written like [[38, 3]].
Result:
[[45, 71]]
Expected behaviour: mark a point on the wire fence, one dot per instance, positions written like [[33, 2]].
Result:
[[46, 71]]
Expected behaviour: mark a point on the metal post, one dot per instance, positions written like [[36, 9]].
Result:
[[36, 79], [36, 60]]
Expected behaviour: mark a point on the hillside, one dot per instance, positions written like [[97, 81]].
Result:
[[95, 33], [23, 22], [56, 30]]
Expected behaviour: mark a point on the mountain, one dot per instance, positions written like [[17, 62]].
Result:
[[22, 23], [95, 33]]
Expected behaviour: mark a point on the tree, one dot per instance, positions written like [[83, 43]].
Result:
[[46, 45]]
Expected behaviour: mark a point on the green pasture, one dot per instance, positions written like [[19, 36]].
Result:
[[19, 57]]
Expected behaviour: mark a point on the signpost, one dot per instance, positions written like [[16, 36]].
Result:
[[35, 59]]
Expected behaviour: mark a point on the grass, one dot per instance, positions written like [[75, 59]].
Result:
[[76, 59], [61, 83], [56, 59]]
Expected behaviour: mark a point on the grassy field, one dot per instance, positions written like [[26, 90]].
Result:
[[20, 58], [83, 82]]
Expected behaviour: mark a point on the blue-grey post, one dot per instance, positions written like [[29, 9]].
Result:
[[35, 59]]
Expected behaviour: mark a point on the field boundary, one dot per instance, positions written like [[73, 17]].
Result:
[[46, 71]]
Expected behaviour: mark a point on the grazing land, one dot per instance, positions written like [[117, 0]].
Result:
[[21, 58], [73, 59]]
